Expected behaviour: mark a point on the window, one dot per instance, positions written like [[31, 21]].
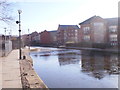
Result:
[[76, 30], [112, 28], [72, 34], [76, 33], [98, 24], [65, 38], [113, 37], [86, 37], [86, 30], [114, 44]]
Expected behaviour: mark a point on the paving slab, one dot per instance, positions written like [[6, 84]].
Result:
[[0, 73], [11, 84], [10, 71]]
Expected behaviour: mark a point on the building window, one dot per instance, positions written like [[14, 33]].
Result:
[[76, 33], [114, 44], [72, 31], [86, 37], [113, 29], [86, 30], [65, 38], [98, 24], [113, 37], [76, 30]]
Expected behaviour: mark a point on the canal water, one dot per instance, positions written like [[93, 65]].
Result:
[[68, 68]]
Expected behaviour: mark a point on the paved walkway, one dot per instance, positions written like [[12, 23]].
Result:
[[10, 71], [0, 73]]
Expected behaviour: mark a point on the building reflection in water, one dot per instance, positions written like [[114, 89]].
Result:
[[69, 58], [99, 64], [95, 64]]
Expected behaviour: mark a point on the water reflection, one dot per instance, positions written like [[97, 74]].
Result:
[[68, 58], [77, 69], [95, 64]]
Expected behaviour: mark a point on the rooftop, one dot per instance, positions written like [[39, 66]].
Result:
[[112, 21], [89, 20], [53, 31], [68, 26]]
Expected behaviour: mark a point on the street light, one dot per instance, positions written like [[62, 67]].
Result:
[[18, 22], [10, 34], [29, 37], [5, 33]]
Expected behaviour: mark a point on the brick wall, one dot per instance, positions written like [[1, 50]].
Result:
[[97, 30], [45, 37]]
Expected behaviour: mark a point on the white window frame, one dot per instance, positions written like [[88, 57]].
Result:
[[86, 37], [113, 28]]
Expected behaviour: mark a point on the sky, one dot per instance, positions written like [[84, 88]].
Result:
[[40, 15]]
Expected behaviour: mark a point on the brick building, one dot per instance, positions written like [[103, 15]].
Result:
[[26, 39], [31, 39], [45, 37], [35, 38], [67, 34], [93, 30], [112, 27], [53, 35], [99, 30]]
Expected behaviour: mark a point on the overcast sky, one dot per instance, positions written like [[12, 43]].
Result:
[[39, 15]]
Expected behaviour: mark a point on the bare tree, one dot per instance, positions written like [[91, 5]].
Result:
[[5, 11]]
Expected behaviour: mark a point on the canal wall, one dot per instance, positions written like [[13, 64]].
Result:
[[93, 49], [29, 77]]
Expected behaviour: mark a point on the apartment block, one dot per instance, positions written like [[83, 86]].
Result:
[[35, 37], [112, 27], [45, 37], [26, 39], [53, 35], [67, 34], [99, 30], [93, 30]]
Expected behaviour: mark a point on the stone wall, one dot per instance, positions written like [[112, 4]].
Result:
[[0, 47], [5, 47]]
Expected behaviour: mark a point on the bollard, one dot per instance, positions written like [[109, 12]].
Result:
[[24, 57]]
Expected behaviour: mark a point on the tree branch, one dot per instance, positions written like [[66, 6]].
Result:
[[4, 11]]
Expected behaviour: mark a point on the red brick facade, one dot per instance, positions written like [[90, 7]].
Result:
[[93, 30], [67, 34], [45, 37]]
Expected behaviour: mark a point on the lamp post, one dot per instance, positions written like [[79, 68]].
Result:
[[29, 38], [19, 22], [5, 33], [10, 34], [4, 43]]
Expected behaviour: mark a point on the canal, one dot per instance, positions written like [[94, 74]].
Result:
[[68, 68]]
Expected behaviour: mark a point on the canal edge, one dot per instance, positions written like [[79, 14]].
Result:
[[29, 77]]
